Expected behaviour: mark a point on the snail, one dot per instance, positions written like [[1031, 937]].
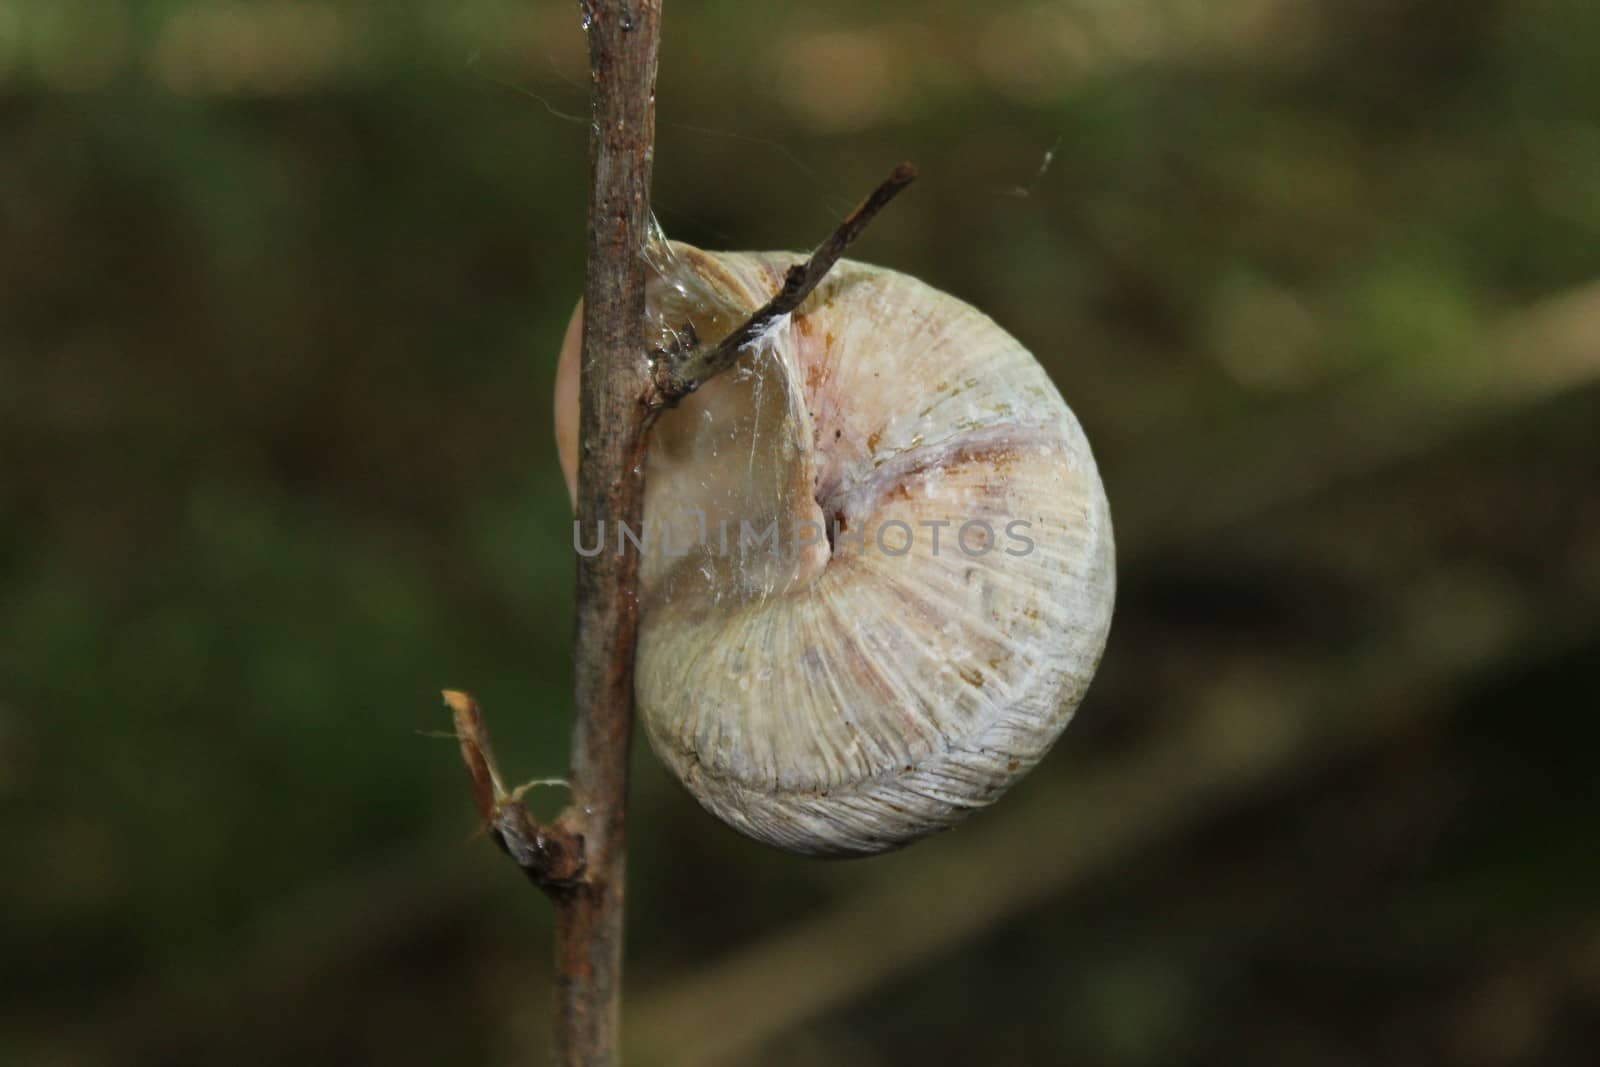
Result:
[[877, 564]]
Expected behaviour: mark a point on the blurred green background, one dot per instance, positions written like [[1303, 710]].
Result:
[[281, 287]]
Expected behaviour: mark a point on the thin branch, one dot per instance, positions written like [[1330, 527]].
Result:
[[614, 425], [677, 377], [580, 860]]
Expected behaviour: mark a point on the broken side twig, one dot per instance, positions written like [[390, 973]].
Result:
[[682, 373]]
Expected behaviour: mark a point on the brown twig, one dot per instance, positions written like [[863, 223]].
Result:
[[678, 376], [580, 860], [614, 423]]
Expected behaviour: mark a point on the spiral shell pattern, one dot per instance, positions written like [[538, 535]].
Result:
[[848, 688]]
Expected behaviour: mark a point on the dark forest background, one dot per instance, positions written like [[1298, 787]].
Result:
[[281, 288]]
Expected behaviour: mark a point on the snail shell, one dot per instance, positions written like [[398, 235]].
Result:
[[942, 583]]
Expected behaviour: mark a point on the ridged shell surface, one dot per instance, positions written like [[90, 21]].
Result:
[[939, 588]]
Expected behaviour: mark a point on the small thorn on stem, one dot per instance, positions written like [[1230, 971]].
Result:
[[552, 856]]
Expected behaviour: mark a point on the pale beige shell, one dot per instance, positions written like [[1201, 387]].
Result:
[[846, 698]]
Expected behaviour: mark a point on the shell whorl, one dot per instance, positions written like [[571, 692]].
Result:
[[842, 699]]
